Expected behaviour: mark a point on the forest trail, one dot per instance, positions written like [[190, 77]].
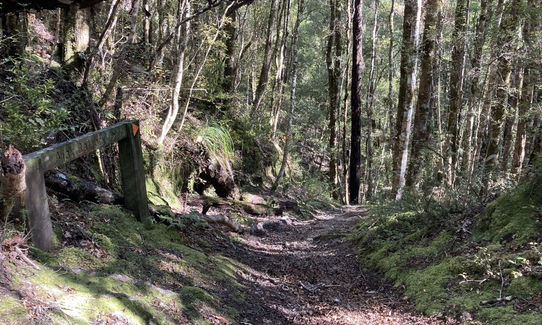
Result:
[[306, 272]]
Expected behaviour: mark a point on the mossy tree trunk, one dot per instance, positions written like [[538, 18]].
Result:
[[456, 87], [501, 83], [75, 34], [423, 107]]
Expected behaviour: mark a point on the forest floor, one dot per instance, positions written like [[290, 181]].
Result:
[[307, 272], [109, 270]]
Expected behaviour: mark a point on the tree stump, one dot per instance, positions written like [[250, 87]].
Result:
[[12, 181]]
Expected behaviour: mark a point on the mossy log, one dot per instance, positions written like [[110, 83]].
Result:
[[78, 189], [250, 208]]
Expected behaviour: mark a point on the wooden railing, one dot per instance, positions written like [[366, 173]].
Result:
[[126, 134]]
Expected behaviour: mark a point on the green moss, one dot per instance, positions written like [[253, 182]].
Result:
[[525, 286], [193, 299], [105, 243], [135, 254], [512, 216], [75, 257], [428, 255], [12, 311], [429, 287]]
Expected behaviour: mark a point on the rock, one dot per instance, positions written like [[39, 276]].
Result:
[[257, 230], [466, 317], [253, 198]]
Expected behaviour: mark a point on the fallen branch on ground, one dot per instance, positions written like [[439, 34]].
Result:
[[223, 220], [496, 302]]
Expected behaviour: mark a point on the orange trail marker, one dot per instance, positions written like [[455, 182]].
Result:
[[135, 128]]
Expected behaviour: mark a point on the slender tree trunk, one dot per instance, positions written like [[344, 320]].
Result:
[[346, 79], [456, 87], [422, 116], [501, 82], [289, 134], [510, 120], [369, 102], [230, 69], [108, 28], [134, 13], [267, 58], [482, 122], [391, 72], [407, 85], [476, 64], [536, 140], [527, 95], [437, 105], [162, 32], [281, 75], [148, 21], [334, 73], [355, 102], [182, 35]]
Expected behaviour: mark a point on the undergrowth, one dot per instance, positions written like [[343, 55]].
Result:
[[450, 256]]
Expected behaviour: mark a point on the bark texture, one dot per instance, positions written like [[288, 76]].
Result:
[[355, 102], [423, 107], [407, 85]]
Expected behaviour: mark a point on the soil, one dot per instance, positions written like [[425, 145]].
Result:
[[306, 272]]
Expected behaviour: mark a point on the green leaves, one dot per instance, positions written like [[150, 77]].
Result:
[[27, 115]]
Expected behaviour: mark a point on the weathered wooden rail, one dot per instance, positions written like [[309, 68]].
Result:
[[126, 134]]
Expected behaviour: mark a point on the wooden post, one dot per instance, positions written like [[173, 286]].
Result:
[[133, 174], [37, 208], [127, 135]]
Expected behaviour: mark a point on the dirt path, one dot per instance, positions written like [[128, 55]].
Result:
[[307, 273]]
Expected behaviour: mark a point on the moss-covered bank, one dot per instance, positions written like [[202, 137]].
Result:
[[449, 262], [112, 269]]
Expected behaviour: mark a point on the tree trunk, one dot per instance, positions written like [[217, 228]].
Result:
[[14, 34], [423, 107], [456, 87], [475, 72], [289, 134], [501, 82], [391, 72], [148, 21], [407, 87], [527, 96], [267, 57], [75, 34], [369, 102], [230, 34], [510, 121], [183, 32], [134, 13], [280, 77], [355, 103], [345, 162], [482, 122], [108, 28], [333, 72], [78, 190]]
